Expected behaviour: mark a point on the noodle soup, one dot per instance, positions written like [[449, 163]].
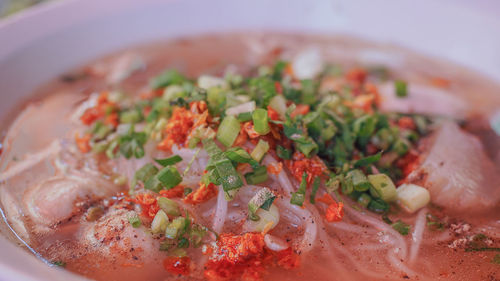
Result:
[[259, 157]]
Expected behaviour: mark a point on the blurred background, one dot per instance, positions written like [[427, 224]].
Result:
[[9, 7]]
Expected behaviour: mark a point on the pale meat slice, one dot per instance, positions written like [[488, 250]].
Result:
[[58, 198], [457, 171], [422, 99], [120, 251]]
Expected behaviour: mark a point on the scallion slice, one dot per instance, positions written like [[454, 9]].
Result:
[[135, 221], [244, 117], [359, 180], [259, 175], [239, 155], [169, 206], [220, 167], [299, 196], [262, 199], [315, 188], [169, 161], [401, 227], [261, 121], [169, 177], [283, 153], [228, 130], [401, 88], [260, 150], [382, 187]]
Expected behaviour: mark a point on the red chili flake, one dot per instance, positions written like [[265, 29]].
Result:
[[440, 82], [177, 265], [288, 259], [83, 143], [301, 109], [275, 168], [356, 75], [299, 164], [182, 124], [100, 110], [148, 204], [245, 257], [202, 194], [278, 87], [406, 122], [335, 212], [409, 162], [272, 114], [177, 191]]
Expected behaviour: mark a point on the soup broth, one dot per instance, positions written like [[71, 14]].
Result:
[[77, 181]]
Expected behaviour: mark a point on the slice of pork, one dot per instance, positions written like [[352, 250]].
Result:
[[58, 198], [457, 171], [423, 99]]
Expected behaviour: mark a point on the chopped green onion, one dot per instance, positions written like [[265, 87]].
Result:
[[496, 259], [169, 206], [283, 153], [347, 185], [160, 221], [365, 162], [315, 188], [359, 180], [176, 228], [59, 263], [412, 197], [260, 150], [382, 187], [166, 78], [278, 104], [187, 190], [135, 221], [196, 235], [220, 167], [169, 177], [244, 117], [401, 227], [262, 199], [364, 199], [132, 144], [100, 131], [153, 184], [299, 196], [259, 175], [401, 146], [228, 130], [144, 174], [377, 205], [216, 99], [169, 161], [183, 243], [332, 184], [307, 146], [130, 116], [434, 223], [239, 155], [261, 121], [401, 88]]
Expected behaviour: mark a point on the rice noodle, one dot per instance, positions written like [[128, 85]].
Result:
[[396, 240], [417, 234], [220, 211], [30, 160]]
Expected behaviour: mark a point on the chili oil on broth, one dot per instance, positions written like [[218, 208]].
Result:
[[360, 246]]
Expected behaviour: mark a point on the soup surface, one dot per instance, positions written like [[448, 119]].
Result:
[[259, 157]]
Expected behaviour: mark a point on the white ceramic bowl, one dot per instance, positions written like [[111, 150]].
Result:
[[45, 41]]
